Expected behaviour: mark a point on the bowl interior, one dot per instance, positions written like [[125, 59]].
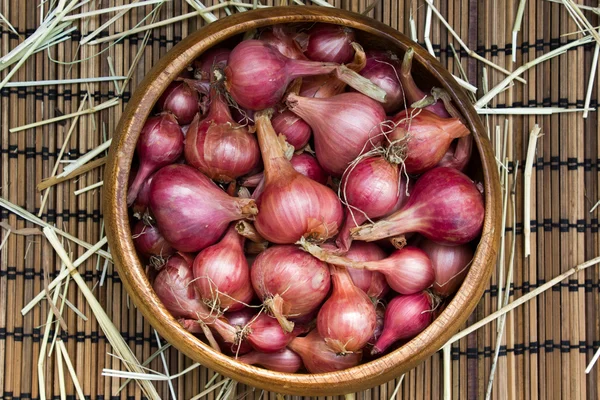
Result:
[[371, 34]]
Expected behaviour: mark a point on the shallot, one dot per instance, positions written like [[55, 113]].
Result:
[[280, 37], [330, 43], [382, 68], [284, 360], [221, 273], [160, 144], [426, 136], [459, 154], [181, 100], [297, 132], [373, 283], [444, 206], [148, 241], [290, 282], [191, 211], [219, 147], [215, 57], [450, 263], [343, 126], [347, 320], [291, 205], [405, 317], [318, 358]]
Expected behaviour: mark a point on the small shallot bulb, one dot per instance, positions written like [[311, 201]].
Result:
[[282, 361], [426, 136], [191, 211], [450, 263], [405, 317], [296, 131], [347, 320], [149, 242], [291, 205], [181, 100], [383, 68], [330, 43], [142, 200], [373, 283], [444, 206], [219, 147], [343, 126], [407, 270], [319, 358], [160, 144], [370, 189], [214, 57], [290, 282], [221, 273]]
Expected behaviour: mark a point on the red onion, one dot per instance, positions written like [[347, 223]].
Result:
[[142, 200], [214, 57], [218, 147], [149, 242], [290, 282], [330, 43], [281, 37], [407, 270], [283, 361], [180, 99], [191, 211], [459, 154], [370, 189], [383, 69], [296, 131], [160, 143], [426, 136], [291, 205], [411, 90], [373, 283], [258, 74], [450, 263], [342, 125], [405, 317], [346, 321], [238, 320], [318, 358], [221, 273], [444, 206]]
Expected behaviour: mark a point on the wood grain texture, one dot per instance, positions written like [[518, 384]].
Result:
[[131, 270]]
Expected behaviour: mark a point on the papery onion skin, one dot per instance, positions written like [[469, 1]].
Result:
[[160, 144], [258, 74], [383, 69], [370, 189], [180, 99], [291, 282], [426, 136], [296, 131], [405, 317], [291, 205], [282, 38], [221, 273], [346, 321], [149, 242], [444, 206], [284, 360], [191, 211], [450, 263], [373, 283], [318, 357], [342, 125], [330, 43], [218, 147]]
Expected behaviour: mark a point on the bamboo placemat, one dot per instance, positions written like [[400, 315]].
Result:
[[548, 341]]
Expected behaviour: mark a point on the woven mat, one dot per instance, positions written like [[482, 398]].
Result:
[[548, 341]]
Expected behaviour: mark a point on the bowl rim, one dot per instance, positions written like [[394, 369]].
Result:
[[131, 271]]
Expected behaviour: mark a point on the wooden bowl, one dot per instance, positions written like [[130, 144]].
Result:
[[428, 72]]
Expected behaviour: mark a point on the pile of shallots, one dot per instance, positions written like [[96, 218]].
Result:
[[299, 201]]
